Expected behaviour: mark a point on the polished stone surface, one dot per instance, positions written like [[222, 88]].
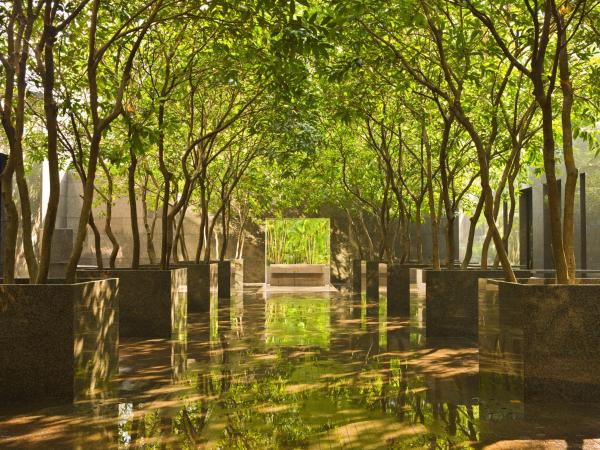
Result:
[[552, 334], [152, 302], [305, 371], [372, 280], [452, 300], [202, 281], [57, 341], [399, 280]]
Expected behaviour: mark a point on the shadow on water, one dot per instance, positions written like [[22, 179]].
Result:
[[306, 371]]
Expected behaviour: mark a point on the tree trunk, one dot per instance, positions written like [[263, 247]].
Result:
[[51, 113], [135, 230], [560, 261], [97, 241], [418, 234], [450, 250], [86, 208], [225, 226], [567, 138], [26, 222], [149, 228], [435, 243], [111, 236], [12, 224], [472, 228], [368, 235], [108, 219], [164, 242]]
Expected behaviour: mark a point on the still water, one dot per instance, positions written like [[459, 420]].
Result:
[[307, 371]]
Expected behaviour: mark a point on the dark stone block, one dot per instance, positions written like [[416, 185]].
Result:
[[556, 328], [452, 301], [201, 281], [356, 276], [372, 279], [57, 341], [399, 279], [153, 302], [224, 279]]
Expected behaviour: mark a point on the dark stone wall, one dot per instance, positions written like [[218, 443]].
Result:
[[57, 340], [557, 327], [153, 302]]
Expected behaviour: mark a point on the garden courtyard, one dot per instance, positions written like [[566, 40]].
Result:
[[270, 224]]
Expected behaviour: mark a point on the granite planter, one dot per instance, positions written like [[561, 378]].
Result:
[[373, 279], [451, 301], [153, 302], [201, 282], [356, 276], [556, 327], [57, 341], [399, 279], [230, 277]]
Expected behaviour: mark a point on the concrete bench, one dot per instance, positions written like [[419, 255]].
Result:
[[298, 275]]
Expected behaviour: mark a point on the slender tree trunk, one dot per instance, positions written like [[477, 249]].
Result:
[[485, 250], [97, 241], [86, 208], [179, 239], [472, 228], [109, 233], [554, 200], [435, 243], [203, 221], [12, 224], [135, 230], [210, 233], [567, 139], [418, 234], [450, 247], [26, 221], [183, 243], [108, 219], [164, 243], [51, 113], [18, 28], [225, 226], [445, 194], [368, 235], [149, 228]]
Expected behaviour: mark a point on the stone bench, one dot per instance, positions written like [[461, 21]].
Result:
[[298, 275]]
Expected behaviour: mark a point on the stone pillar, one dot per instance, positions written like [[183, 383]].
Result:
[[356, 276], [398, 289], [224, 279], [373, 279]]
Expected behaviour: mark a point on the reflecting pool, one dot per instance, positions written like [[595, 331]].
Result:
[[306, 371]]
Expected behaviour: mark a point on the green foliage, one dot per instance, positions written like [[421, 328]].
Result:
[[297, 241]]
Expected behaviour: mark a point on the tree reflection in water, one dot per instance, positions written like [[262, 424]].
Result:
[[289, 372]]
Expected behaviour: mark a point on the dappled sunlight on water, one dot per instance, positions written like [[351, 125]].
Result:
[[303, 371]]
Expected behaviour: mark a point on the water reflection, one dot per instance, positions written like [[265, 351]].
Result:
[[300, 372]]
